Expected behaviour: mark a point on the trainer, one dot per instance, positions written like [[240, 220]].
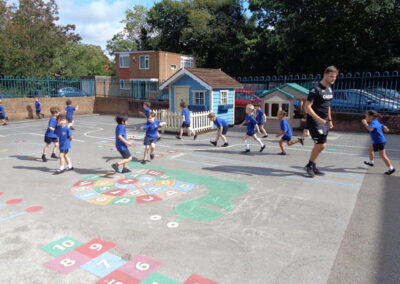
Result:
[[319, 119]]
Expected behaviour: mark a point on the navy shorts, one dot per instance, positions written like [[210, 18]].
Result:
[[260, 123], [149, 140], [2, 116], [125, 153], [379, 147], [224, 130], [286, 138], [185, 125], [49, 140], [64, 151], [70, 119], [38, 111], [250, 133]]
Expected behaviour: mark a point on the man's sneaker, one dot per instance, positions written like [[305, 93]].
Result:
[[195, 137], [178, 137], [44, 158], [143, 162], [318, 172], [301, 141], [247, 150], [225, 145], [151, 156], [309, 172], [262, 148], [59, 171], [368, 163], [54, 156], [125, 170], [282, 153], [72, 128], [389, 172], [214, 143], [115, 167]]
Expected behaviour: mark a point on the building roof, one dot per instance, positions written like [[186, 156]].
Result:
[[293, 86], [209, 78]]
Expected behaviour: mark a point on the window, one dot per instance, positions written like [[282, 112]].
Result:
[[224, 98], [124, 60], [173, 67], [144, 62], [275, 109], [199, 98], [186, 61], [124, 84]]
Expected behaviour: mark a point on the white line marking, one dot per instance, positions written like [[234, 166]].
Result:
[[177, 156]]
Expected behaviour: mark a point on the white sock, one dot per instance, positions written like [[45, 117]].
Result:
[[391, 168], [61, 168], [246, 142], [69, 165], [371, 161], [259, 141]]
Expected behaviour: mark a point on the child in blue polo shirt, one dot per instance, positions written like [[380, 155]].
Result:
[[376, 130], [147, 109], [151, 128], [261, 118], [122, 143], [50, 136], [69, 111], [64, 135], [286, 133], [38, 107], [185, 121], [3, 116], [252, 128], [222, 129]]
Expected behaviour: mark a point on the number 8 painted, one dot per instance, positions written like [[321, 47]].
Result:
[[66, 262]]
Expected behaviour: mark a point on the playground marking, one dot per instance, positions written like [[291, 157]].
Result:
[[16, 201]]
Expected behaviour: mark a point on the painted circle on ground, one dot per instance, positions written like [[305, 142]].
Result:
[[172, 225], [155, 217], [34, 209], [13, 201], [139, 186]]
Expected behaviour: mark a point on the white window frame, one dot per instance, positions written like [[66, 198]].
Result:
[[146, 60], [124, 84], [187, 59], [195, 93], [174, 67], [224, 97], [122, 60]]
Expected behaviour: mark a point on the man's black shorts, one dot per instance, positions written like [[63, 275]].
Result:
[[49, 140], [379, 147], [125, 154], [318, 132]]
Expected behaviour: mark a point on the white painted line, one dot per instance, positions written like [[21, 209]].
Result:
[[177, 156], [77, 140]]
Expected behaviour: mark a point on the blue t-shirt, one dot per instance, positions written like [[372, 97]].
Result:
[[52, 123], [63, 134], [152, 128], [186, 114], [260, 116], [120, 130], [70, 111], [2, 112], [219, 122], [146, 112], [377, 132], [251, 123], [38, 106], [285, 126]]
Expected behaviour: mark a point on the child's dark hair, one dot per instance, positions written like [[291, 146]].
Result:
[[121, 117], [61, 116], [147, 104], [151, 114], [54, 110], [372, 113], [182, 104], [68, 102]]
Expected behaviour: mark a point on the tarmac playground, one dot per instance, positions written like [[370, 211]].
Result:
[[196, 213]]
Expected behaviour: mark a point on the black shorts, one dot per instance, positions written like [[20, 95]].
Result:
[[2, 116], [49, 140], [70, 119], [38, 111], [250, 133], [319, 132], [149, 140], [125, 154], [224, 130], [64, 151], [185, 125], [286, 138], [379, 147], [260, 123]]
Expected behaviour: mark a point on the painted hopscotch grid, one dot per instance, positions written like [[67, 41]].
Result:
[[94, 257]]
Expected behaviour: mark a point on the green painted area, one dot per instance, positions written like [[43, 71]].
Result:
[[62, 246], [220, 194], [92, 177], [158, 278], [102, 189], [332, 149], [123, 201], [357, 134]]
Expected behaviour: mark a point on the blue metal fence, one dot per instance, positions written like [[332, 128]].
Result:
[[353, 92]]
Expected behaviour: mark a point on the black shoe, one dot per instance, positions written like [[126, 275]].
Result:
[[225, 145], [143, 162], [54, 156], [301, 141], [59, 171], [115, 167], [214, 143], [125, 170], [247, 150], [389, 172], [318, 172], [72, 128], [262, 148], [177, 137], [265, 136], [4, 123], [70, 168], [151, 156], [282, 153], [159, 138], [195, 137], [368, 163], [44, 158], [310, 172]]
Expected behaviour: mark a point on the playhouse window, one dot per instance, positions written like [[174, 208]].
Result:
[[124, 60], [224, 98], [274, 109], [124, 84], [144, 62], [199, 98]]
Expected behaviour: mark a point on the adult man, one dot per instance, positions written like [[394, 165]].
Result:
[[319, 119]]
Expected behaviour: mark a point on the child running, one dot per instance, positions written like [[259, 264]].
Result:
[[69, 111], [185, 121], [122, 143], [151, 128], [261, 119], [286, 133], [3, 116], [38, 107], [252, 128], [376, 130], [50, 136], [64, 135], [147, 109], [222, 129]]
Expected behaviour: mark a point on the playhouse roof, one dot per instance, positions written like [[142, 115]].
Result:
[[293, 86], [209, 78]]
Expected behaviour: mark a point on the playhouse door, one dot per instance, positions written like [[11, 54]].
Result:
[[180, 94]]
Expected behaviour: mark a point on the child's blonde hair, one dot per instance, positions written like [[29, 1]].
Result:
[[250, 107], [282, 112], [151, 114], [211, 115]]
